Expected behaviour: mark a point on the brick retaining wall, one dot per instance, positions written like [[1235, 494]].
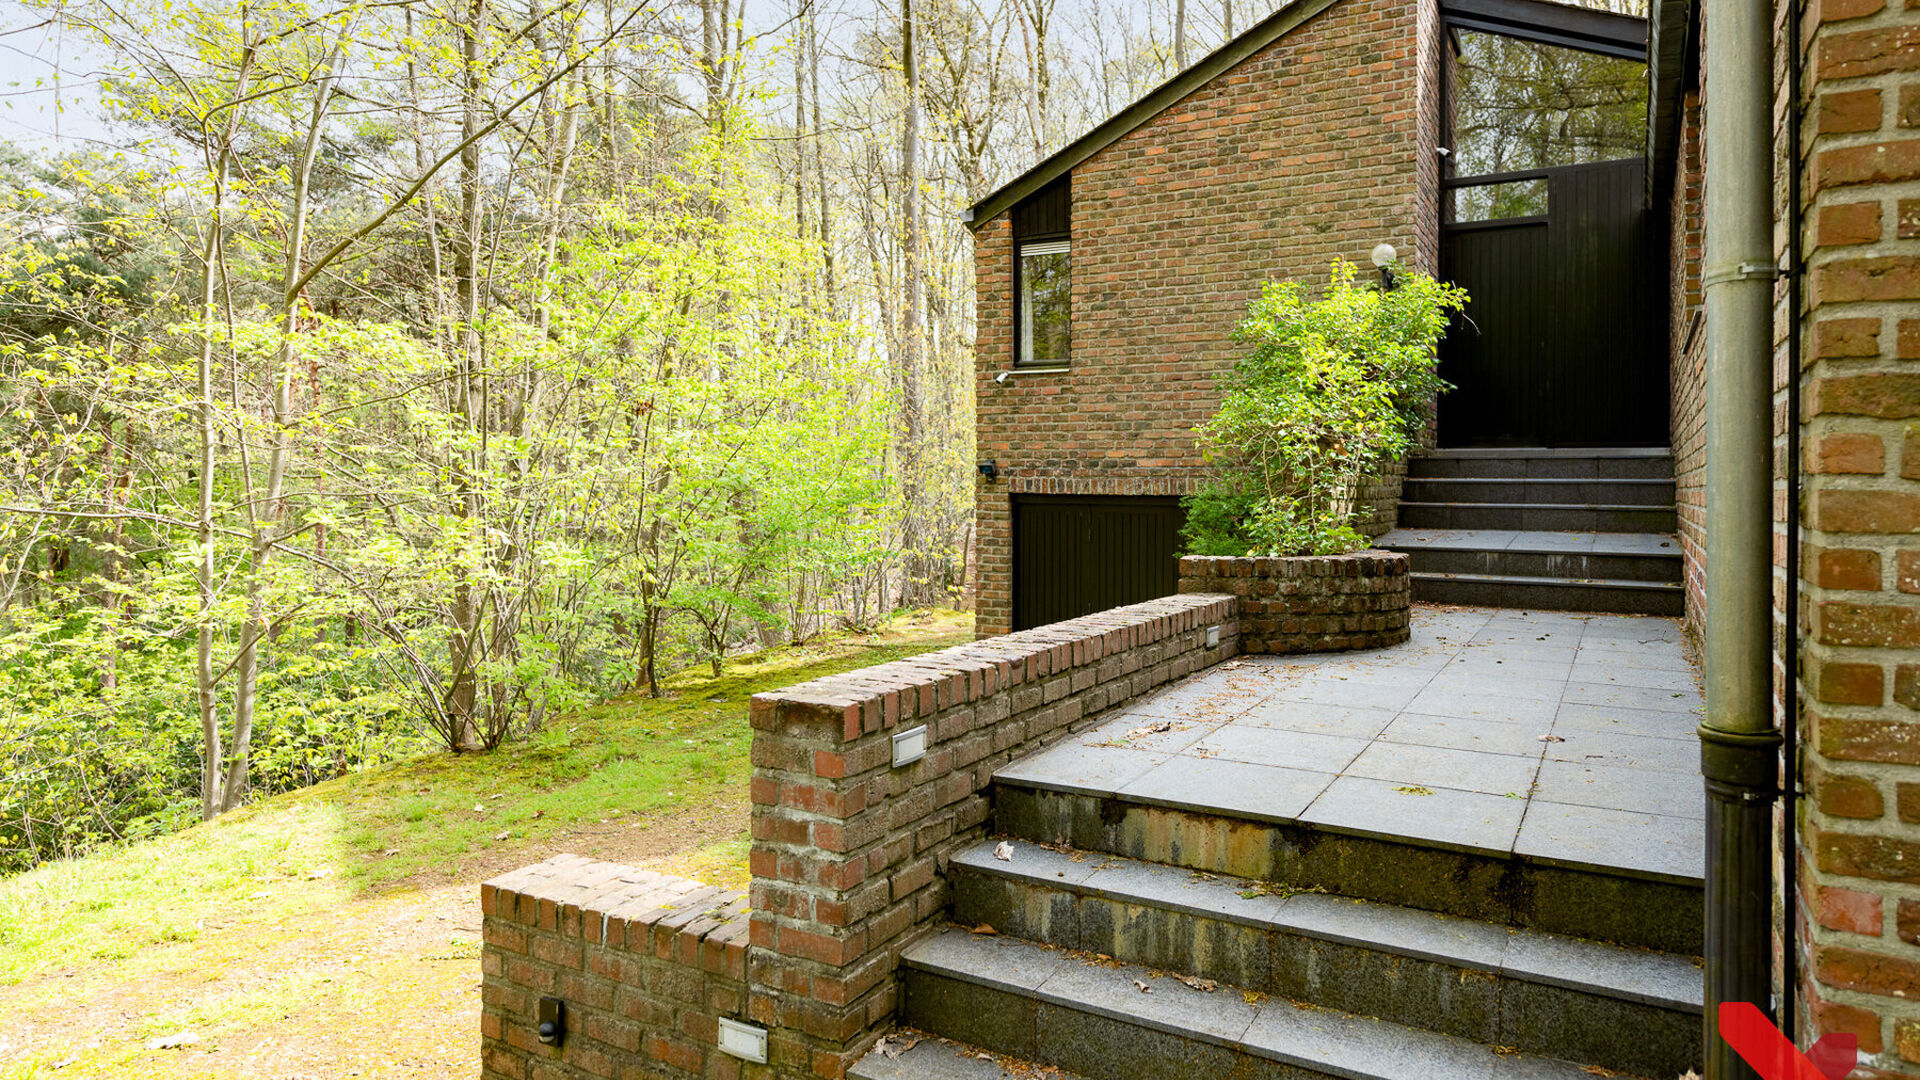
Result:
[[646, 964], [1311, 603], [847, 859]]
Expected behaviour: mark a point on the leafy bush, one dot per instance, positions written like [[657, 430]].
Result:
[[100, 739], [1329, 392]]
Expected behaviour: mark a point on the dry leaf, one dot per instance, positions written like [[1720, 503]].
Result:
[[1413, 789], [508, 835], [1205, 986], [1004, 852], [894, 1045], [984, 928], [1551, 738], [1144, 988]]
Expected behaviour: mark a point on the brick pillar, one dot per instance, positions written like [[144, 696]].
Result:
[[1859, 904]]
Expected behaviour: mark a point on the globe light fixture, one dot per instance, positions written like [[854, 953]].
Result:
[[1383, 256]]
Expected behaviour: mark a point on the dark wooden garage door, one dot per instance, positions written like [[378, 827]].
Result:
[[1073, 556]]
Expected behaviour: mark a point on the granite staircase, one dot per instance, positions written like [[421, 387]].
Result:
[[1568, 530], [1156, 941]]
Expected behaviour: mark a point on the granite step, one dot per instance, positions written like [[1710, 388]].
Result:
[[1542, 993], [1431, 863], [1102, 1018], [1538, 517], [1539, 490], [1578, 555], [1650, 463], [1615, 596]]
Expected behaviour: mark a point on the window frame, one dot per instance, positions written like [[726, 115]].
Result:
[[1022, 314], [1043, 218]]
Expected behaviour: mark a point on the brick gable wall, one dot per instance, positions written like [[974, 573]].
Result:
[[1319, 146]]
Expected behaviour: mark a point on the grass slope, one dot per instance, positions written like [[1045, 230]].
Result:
[[312, 897]]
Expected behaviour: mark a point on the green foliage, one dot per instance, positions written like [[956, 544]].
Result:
[[99, 741], [416, 818], [1329, 391]]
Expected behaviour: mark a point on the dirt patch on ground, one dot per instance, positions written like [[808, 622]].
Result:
[[380, 984]]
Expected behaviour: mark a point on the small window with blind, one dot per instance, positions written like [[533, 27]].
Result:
[[1046, 302], [1043, 280]]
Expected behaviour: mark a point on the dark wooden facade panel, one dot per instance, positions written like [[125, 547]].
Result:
[[1563, 343], [1075, 555]]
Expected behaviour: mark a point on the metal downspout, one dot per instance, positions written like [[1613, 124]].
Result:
[[1790, 628], [1739, 742]]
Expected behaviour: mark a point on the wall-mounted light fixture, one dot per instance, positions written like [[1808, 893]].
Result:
[[1001, 379], [744, 1041], [909, 746], [1383, 257], [989, 469], [552, 1021]]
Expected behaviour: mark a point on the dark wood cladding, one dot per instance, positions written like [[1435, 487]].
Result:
[[1075, 555], [1563, 339], [1048, 215]]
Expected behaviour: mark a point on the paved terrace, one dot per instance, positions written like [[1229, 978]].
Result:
[[1564, 738]]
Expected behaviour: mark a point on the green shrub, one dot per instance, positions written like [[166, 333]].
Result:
[[1329, 392]]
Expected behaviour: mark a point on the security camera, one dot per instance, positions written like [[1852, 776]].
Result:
[[1003, 377]]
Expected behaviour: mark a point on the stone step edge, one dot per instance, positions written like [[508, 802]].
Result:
[[1468, 545], [1552, 582], [932, 1057], [1056, 787], [1498, 452], [1641, 508], [978, 966], [1033, 864], [1616, 481]]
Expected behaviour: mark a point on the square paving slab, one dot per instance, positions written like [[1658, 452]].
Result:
[[1553, 736]]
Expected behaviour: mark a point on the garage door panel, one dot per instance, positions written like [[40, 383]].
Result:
[[1075, 555]]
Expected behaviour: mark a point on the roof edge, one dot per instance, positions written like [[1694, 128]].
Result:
[[1160, 99], [1672, 27]]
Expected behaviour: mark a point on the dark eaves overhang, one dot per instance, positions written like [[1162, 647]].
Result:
[[1670, 71], [1259, 36], [1623, 36]]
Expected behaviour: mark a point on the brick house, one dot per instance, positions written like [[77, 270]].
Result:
[[1778, 515], [1326, 130]]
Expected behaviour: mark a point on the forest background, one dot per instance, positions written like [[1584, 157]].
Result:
[[380, 375]]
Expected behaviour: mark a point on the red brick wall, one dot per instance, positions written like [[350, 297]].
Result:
[[1311, 603], [1860, 566], [1320, 145], [1687, 324], [645, 963], [849, 852]]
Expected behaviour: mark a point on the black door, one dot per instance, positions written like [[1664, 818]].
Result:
[[1564, 339], [1075, 555]]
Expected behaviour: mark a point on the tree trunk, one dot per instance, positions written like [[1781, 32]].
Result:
[[213, 258], [468, 405], [267, 527], [911, 330], [1180, 35]]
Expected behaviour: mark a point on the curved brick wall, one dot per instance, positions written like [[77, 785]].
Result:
[[1310, 603]]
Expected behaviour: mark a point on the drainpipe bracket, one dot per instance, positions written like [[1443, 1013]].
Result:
[[1746, 271], [1741, 759]]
